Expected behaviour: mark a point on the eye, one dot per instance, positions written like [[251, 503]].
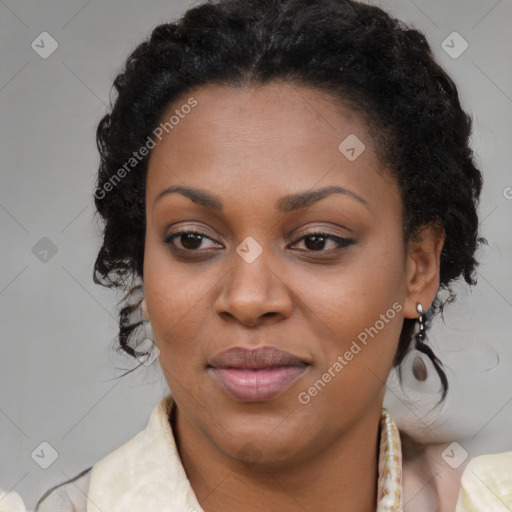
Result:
[[190, 241], [323, 242]]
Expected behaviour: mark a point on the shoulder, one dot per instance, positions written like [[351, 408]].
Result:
[[72, 495], [68, 496], [487, 482]]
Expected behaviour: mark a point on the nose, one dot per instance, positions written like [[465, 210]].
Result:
[[254, 293]]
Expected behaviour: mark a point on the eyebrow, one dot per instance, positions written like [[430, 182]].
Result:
[[287, 203], [304, 199], [194, 194]]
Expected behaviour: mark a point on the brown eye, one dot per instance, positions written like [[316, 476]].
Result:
[[315, 242], [323, 242], [189, 241]]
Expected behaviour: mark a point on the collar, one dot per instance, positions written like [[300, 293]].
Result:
[[146, 472], [389, 490]]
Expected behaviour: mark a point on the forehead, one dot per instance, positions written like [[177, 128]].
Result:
[[274, 114], [280, 134]]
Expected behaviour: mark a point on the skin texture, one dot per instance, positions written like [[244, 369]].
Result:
[[250, 147]]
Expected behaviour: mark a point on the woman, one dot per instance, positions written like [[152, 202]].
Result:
[[286, 186]]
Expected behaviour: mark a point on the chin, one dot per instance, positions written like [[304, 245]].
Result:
[[267, 442]]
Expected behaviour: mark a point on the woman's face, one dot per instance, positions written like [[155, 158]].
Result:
[[297, 250]]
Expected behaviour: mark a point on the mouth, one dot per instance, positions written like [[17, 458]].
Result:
[[256, 375]]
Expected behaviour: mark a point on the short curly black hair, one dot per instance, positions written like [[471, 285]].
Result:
[[383, 69]]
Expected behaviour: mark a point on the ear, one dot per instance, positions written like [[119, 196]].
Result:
[[423, 268], [144, 310]]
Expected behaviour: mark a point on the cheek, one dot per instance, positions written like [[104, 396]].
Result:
[[358, 314], [179, 298], [172, 292], [356, 356], [354, 295]]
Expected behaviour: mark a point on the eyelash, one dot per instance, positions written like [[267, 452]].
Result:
[[342, 242], [169, 239]]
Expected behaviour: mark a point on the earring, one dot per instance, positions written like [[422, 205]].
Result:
[[419, 369], [144, 317], [146, 351], [143, 310], [420, 336]]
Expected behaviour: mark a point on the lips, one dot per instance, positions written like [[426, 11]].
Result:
[[256, 375]]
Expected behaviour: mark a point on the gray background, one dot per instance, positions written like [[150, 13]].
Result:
[[59, 377]]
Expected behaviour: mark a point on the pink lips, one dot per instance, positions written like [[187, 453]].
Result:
[[256, 375]]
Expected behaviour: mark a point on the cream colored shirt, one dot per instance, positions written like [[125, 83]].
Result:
[[146, 474]]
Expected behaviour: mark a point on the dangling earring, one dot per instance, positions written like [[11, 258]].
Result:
[[144, 317], [419, 369], [143, 310], [146, 351], [420, 336]]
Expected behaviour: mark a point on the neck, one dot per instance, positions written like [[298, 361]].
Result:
[[429, 483], [337, 475]]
